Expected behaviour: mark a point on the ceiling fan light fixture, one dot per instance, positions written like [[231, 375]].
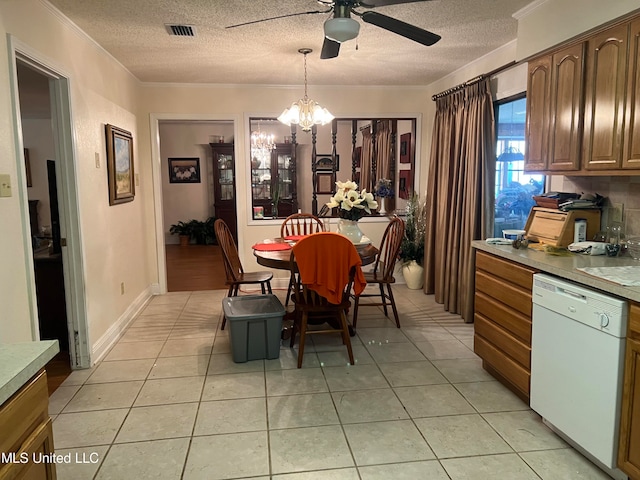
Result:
[[305, 112], [341, 29]]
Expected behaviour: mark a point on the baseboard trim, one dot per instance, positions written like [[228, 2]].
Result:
[[113, 334]]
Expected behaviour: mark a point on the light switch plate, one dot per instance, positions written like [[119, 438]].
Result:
[[97, 160], [5, 185]]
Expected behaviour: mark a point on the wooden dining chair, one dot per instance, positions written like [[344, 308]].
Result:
[[296, 225], [319, 299], [235, 274], [382, 273]]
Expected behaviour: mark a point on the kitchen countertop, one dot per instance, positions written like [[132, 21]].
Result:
[[566, 266], [21, 361]]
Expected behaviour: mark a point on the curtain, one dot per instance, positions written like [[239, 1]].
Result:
[[459, 192], [383, 139], [365, 163]]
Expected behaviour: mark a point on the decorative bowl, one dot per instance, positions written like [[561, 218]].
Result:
[[633, 247]]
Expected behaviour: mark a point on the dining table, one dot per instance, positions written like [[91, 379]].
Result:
[[277, 253]]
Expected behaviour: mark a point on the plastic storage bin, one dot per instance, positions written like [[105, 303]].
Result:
[[255, 326]]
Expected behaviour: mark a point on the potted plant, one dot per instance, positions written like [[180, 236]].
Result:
[[412, 246], [183, 230], [383, 189], [203, 232], [352, 206]]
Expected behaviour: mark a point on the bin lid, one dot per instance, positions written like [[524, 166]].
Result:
[[253, 306]]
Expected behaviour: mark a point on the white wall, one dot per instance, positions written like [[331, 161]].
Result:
[[38, 138], [545, 24], [115, 242]]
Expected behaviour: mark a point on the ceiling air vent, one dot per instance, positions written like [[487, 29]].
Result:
[[181, 30]]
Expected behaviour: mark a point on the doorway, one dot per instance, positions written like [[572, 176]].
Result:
[[41, 100]]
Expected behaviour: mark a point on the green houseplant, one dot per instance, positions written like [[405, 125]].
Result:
[[203, 232], [183, 230], [412, 247]]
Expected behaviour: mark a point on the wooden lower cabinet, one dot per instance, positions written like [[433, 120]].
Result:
[[27, 432], [629, 446], [502, 320]]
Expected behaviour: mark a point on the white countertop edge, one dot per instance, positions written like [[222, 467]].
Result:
[[566, 266], [21, 361]]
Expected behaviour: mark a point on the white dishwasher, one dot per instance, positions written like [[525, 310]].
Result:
[[577, 363]]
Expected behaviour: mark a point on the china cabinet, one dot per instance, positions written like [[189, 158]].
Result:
[[273, 176], [224, 185]]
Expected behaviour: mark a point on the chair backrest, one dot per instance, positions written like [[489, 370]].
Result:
[[325, 262], [232, 265], [389, 248], [301, 224]]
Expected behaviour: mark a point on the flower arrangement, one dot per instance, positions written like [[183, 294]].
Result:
[[412, 246], [384, 188], [353, 204]]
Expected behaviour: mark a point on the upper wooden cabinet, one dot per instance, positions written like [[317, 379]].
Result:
[[583, 116], [604, 102], [567, 67]]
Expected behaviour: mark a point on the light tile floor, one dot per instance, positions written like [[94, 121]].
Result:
[[168, 402]]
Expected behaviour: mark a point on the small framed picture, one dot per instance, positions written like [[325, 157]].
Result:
[[325, 182], [405, 148], [120, 165], [184, 170], [405, 184], [324, 162]]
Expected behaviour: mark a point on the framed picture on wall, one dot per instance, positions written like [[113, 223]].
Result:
[[405, 148], [325, 182], [120, 165], [184, 170], [324, 162], [405, 184]]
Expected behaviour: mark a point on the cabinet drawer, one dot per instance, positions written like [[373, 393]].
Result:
[[511, 272], [514, 322], [511, 295], [513, 372], [502, 340], [23, 413]]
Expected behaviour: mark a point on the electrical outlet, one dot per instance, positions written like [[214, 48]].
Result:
[[97, 160], [616, 212], [122, 288], [5, 185]]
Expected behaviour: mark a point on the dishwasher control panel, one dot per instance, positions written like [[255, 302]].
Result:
[[590, 307]]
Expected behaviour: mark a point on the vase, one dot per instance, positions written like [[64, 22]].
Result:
[[350, 229], [413, 274], [381, 208]]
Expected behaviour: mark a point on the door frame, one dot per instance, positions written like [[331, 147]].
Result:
[[67, 183], [156, 164]]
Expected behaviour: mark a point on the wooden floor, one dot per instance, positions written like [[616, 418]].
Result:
[[194, 267]]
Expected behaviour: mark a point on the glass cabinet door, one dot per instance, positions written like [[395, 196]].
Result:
[[261, 176], [225, 169], [285, 182]]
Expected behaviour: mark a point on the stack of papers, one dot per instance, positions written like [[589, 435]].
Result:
[[625, 276]]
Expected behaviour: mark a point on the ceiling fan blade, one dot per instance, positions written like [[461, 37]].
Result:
[[401, 28], [384, 3], [330, 48], [279, 16]]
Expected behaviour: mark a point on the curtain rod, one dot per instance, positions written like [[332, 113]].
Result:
[[473, 80]]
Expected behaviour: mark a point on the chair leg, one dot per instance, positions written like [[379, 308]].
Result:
[[383, 300], [224, 318], [289, 288], [345, 336], [356, 301], [393, 305], [294, 330], [303, 331], [269, 286], [262, 288]]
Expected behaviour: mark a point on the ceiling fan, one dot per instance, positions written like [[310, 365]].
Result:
[[341, 27]]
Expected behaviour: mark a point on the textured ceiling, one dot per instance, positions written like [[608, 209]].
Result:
[[133, 31]]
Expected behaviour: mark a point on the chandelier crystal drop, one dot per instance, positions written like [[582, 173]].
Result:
[[305, 112]]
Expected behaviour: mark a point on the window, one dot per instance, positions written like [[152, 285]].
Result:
[[514, 188]]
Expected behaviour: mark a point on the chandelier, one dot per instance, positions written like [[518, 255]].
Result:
[[261, 144], [305, 112]]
